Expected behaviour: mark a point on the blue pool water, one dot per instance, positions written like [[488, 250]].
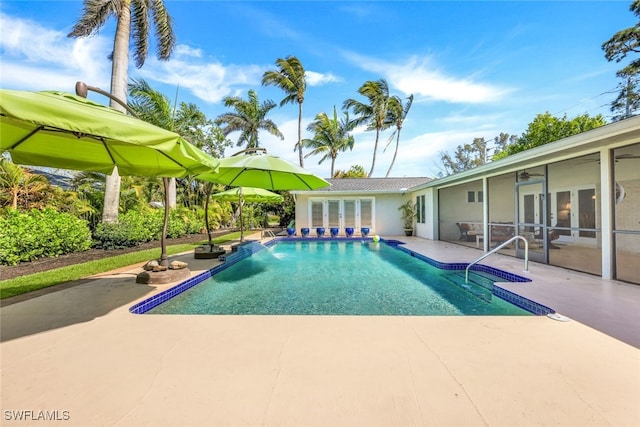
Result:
[[338, 278]]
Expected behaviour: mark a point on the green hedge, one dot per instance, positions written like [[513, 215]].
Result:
[[135, 227], [26, 236]]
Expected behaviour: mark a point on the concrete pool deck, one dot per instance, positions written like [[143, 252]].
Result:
[[79, 350]]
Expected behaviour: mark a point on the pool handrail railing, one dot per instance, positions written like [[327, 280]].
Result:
[[497, 248]]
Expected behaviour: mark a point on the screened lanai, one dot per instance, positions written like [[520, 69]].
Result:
[[575, 201]]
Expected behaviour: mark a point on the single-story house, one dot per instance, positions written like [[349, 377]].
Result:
[[576, 201]]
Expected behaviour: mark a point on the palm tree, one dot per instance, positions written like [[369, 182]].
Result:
[[290, 77], [397, 114], [248, 119], [18, 184], [133, 18], [155, 108], [374, 113], [331, 136]]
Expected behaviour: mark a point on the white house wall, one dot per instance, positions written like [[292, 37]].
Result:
[[386, 216], [427, 230]]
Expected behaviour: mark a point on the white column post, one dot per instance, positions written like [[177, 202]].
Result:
[[606, 212], [485, 213]]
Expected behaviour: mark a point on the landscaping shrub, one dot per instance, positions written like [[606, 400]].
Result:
[[136, 227], [131, 229], [25, 236]]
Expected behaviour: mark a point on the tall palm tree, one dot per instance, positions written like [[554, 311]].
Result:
[[133, 19], [397, 114], [374, 114], [248, 119], [290, 77], [331, 136]]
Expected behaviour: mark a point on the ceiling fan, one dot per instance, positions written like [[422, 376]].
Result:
[[524, 175], [616, 158], [627, 156]]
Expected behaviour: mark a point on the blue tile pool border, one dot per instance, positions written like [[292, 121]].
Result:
[[251, 247]]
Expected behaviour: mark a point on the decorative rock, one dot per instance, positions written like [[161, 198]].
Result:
[[178, 265], [150, 265], [160, 268], [163, 277]]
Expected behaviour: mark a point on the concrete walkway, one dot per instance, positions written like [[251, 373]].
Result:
[[78, 354]]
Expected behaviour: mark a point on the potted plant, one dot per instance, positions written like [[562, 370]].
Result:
[[408, 213]]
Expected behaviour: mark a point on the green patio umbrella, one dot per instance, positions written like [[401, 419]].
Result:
[[248, 194], [256, 168], [253, 167], [61, 130], [58, 129]]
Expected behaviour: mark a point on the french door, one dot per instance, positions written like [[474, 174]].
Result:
[[532, 219], [342, 213]]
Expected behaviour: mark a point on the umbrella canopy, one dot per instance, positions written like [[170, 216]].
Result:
[[263, 171], [249, 194], [62, 130], [255, 168]]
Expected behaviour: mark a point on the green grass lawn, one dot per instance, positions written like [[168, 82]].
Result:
[[32, 282]]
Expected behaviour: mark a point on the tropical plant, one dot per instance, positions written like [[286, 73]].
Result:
[[374, 114], [331, 136], [407, 213], [397, 115], [290, 77], [355, 171], [248, 119], [186, 119], [150, 105], [133, 19], [18, 185]]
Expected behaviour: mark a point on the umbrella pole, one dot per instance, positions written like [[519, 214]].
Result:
[[164, 260], [206, 215], [241, 219]]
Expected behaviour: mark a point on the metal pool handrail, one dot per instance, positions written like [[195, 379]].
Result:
[[497, 248]]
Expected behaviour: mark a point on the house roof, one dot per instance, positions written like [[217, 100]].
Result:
[[370, 185]]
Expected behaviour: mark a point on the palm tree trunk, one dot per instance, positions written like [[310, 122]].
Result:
[[206, 215], [173, 199], [120, 63], [375, 151], [300, 134], [394, 154]]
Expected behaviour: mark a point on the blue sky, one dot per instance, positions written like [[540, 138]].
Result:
[[476, 68]]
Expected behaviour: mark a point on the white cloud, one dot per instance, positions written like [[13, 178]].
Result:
[[318, 79], [210, 81], [422, 78], [37, 58], [184, 50]]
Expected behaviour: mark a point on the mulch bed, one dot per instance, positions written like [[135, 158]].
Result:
[[45, 264]]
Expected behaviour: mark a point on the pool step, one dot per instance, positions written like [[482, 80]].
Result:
[[478, 286]]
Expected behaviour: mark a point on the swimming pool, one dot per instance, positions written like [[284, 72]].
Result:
[[338, 277]]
